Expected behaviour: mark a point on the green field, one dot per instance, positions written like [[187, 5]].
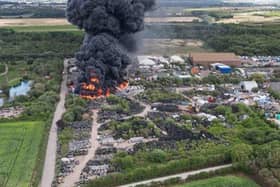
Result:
[[50, 28], [228, 181], [19, 147], [271, 14], [14, 75]]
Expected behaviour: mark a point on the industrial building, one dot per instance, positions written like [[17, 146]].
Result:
[[206, 59], [222, 68], [248, 85]]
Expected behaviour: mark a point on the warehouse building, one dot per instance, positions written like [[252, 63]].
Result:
[[248, 86], [206, 59]]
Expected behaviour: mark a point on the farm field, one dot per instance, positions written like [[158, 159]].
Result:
[[251, 17], [19, 147], [32, 22], [214, 8], [37, 25], [258, 14], [227, 181], [229, 9], [270, 13], [45, 28], [45, 24]]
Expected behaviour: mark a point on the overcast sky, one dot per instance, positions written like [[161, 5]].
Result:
[[256, 1], [248, 1]]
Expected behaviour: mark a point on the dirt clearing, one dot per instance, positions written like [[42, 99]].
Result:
[[172, 20], [170, 46]]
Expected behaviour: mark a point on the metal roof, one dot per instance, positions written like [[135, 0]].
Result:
[[214, 57]]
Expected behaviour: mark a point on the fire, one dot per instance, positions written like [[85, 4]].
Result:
[[93, 90], [94, 80], [123, 85], [108, 92], [100, 92], [88, 97], [90, 87]]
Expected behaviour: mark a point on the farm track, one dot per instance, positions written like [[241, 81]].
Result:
[[74, 177], [6, 70], [50, 157], [182, 176], [71, 179]]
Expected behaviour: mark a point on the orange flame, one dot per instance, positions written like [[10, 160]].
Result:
[[97, 92], [100, 92], [108, 92], [123, 85], [89, 87], [94, 80], [88, 97]]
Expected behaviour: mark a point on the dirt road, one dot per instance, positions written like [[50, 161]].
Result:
[[182, 176], [70, 180], [144, 113], [6, 70], [50, 158], [146, 110]]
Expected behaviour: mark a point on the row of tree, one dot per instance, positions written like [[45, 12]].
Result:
[[153, 171], [33, 12], [241, 39]]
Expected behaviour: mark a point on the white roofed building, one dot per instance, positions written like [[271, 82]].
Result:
[[146, 61], [176, 59], [248, 85]]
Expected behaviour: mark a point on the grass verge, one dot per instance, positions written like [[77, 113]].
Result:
[[225, 181]]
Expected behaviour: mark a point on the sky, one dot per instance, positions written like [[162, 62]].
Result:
[[237, 1], [256, 1]]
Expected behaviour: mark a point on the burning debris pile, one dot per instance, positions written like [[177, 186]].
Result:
[[103, 57]]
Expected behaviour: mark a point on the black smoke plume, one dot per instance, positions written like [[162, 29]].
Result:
[[109, 27]]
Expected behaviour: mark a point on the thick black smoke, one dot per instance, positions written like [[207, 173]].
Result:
[[109, 27]]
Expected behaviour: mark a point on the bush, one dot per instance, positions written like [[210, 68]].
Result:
[[157, 156], [241, 153], [169, 168]]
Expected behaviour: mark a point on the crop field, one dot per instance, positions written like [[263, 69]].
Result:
[[227, 181], [258, 14], [229, 9], [251, 17], [52, 24], [45, 28], [270, 13], [38, 25], [31, 22], [19, 147]]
